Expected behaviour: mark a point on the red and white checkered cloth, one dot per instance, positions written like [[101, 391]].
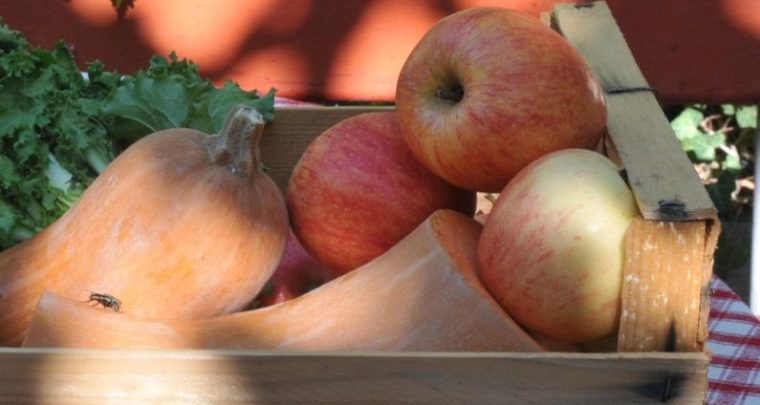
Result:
[[734, 340]]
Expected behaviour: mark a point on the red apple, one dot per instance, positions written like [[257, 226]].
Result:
[[551, 251], [297, 274], [488, 90], [357, 190]]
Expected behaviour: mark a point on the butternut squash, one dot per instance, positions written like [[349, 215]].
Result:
[[182, 225], [421, 295]]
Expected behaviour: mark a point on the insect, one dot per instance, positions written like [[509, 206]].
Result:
[[107, 301]]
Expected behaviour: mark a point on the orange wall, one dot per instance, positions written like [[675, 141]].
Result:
[[690, 50]]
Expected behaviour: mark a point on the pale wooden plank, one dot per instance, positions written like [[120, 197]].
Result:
[[661, 175], [663, 281], [92, 376], [708, 261], [592, 30], [291, 131]]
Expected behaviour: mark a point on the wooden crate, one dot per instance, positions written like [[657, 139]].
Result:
[[661, 343]]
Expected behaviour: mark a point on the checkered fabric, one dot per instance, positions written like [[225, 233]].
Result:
[[734, 340]]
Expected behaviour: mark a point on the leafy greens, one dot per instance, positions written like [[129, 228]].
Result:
[[59, 128]]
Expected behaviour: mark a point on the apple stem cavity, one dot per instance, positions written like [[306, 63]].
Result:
[[452, 93]]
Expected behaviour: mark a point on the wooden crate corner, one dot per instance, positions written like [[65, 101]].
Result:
[[669, 250]]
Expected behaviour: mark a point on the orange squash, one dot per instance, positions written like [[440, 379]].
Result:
[[421, 295], [181, 225]]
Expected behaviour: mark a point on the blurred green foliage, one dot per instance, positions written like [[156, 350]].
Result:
[[720, 141]]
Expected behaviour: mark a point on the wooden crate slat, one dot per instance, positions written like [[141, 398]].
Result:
[[661, 175], [711, 243], [97, 376], [662, 286], [665, 183], [591, 29], [665, 300]]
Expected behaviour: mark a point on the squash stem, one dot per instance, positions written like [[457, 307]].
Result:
[[237, 145]]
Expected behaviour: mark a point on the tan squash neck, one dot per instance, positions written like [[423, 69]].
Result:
[[237, 144]]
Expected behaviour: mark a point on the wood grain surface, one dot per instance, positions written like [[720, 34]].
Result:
[[97, 376]]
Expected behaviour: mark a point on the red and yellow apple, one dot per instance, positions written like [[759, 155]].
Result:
[[551, 252], [357, 190], [297, 274], [488, 90]]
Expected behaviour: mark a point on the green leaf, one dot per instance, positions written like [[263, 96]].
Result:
[[746, 116], [686, 124], [7, 217], [213, 110], [728, 109], [8, 175], [171, 94], [150, 104], [704, 145], [10, 39], [732, 162], [41, 114]]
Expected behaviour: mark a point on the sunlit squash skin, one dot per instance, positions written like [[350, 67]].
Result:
[[181, 225], [423, 294]]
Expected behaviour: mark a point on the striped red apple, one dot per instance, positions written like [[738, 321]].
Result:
[[488, 90], [357, 190], [551, 251]]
